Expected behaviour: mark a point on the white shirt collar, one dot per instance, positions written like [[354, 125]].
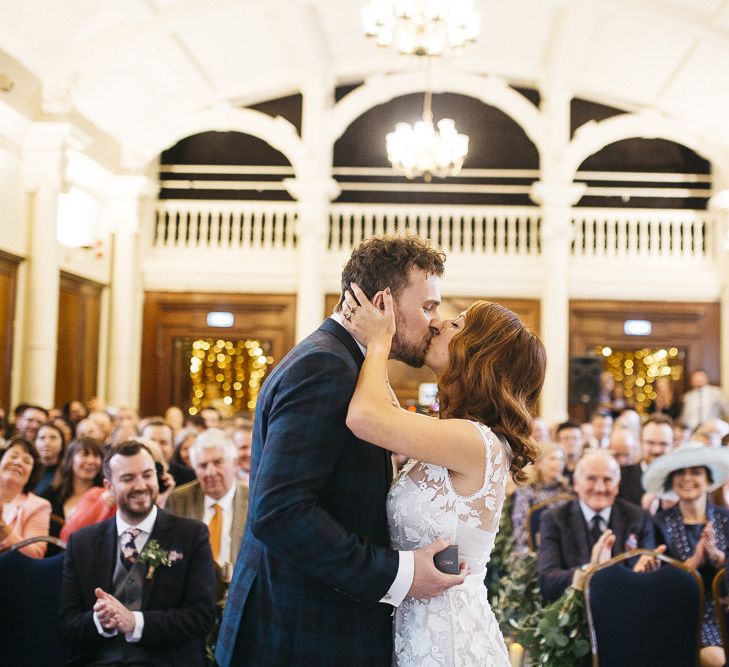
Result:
[[337, 317], [145, 525], [226, 502], [589, 513]]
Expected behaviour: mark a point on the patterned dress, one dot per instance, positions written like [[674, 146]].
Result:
[[525, 497], [458, 627], [681, 540]]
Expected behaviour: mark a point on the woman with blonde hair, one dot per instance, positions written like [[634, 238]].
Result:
[[548, 482]]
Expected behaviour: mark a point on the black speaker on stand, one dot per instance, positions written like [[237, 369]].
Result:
[[585, 383]]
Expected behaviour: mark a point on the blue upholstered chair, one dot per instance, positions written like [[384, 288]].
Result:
[[535, 512], [31, 588], [721, 604], [639, 619]]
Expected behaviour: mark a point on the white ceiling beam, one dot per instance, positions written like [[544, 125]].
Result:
[[303, 38]]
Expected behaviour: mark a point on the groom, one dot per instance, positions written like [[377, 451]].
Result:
[[315, 580]]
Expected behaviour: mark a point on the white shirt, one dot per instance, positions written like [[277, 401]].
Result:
[[406, 567], [589, 513], [226, 505], [145, 530]]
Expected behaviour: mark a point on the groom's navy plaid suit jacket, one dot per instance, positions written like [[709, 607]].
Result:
[[315, 559]]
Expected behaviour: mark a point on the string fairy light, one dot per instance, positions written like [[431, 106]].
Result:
[[637, 370], [227, 374]]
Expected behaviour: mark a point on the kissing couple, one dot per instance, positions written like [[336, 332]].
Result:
[[337, 561]]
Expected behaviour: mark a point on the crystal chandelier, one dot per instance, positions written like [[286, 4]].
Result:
[[421, 27], [423, 150]]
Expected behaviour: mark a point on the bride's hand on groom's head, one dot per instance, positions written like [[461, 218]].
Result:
[[369, 321]]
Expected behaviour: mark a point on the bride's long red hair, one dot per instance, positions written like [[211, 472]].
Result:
[[495, 375]]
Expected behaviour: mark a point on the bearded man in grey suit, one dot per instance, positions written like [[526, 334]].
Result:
[[216, 497]]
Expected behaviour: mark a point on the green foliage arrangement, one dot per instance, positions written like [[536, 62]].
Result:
[[503, 548], [518, 596], [557, 635]]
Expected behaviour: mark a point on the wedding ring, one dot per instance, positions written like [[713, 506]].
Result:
[[348, 315]]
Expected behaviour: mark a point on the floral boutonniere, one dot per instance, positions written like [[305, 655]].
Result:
[[155, 556]]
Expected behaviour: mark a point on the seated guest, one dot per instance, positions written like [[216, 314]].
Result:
[[711, 432], [22, 513], [79, 471], [591, 529], [703, 402], [666, 402], [67, 428], [243, 440], [216, 497], [174, 418], [625, 446], [211, 416], [125, 430], [161, 433], [121, 603], [88, 428], [50, 443], [694, 530], [548, 482], [183, 441], [602, 426], [74, 411], [681, 433], [29, 420], [656, 439], [97, 504], [540, 430], [571, 439]]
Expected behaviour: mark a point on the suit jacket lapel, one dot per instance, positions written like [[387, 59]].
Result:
[[577, 525], [619, 526], [107, 547], [341, 334], [240, 509], [160, 532], [198, 503]]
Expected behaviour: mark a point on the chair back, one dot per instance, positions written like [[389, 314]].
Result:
[[649, 618], [721, 605], [534, 514], [31, 590]]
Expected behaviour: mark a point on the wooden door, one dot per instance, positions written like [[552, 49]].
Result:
[[8, 287], [77, 356]]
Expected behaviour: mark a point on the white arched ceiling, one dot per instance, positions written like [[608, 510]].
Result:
[[593, 136], [493, 91], [278, 132]]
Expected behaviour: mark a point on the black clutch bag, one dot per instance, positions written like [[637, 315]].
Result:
[[447, 560]]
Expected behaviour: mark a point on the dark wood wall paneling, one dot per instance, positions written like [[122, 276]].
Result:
[[172, 316], [406, 380], [77, 356], [692, 327], [8, 297]]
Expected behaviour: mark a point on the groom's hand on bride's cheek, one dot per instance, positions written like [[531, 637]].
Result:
[[428, 581]]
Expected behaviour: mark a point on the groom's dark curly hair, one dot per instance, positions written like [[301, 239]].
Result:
[[386, 261]]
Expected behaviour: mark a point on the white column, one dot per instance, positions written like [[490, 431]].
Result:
[[556, 194], [314, 197], [314, 190], [719, 204], [556, 202], [126, 208], [44, 163]]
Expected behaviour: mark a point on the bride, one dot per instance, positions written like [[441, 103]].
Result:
[[490, 370]]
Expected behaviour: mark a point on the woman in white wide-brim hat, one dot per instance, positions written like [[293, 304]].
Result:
[[694, 530]]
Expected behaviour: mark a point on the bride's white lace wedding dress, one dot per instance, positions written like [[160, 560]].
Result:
[[458, 627]]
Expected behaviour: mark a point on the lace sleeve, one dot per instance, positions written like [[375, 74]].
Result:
[[484, 506]]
